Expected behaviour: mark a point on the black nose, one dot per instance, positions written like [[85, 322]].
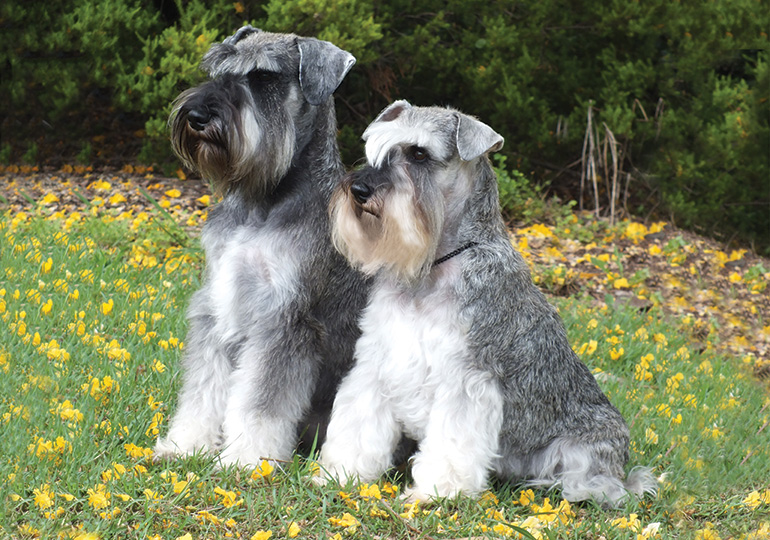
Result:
[[360, 191], [198, 119]]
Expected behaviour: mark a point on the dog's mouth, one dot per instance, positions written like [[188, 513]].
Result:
[[210, 135], [369, 208]]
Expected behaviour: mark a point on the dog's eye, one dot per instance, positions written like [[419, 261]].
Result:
[[418, 154], [261, 76]]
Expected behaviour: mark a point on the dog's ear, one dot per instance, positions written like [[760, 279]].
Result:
[[475, 138], [322, 66], [240, 34], [393, 111], [220, 52]]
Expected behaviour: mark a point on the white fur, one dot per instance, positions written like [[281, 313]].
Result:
[[396, 240], [380, 137], [216, 406], [412, 374], [195, 426], [242, 148], [272, 281]]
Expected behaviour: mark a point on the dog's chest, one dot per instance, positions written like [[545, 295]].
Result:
[[415, 347], [254, 271]]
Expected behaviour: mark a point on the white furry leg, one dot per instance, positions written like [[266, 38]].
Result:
[[196, 424], [253, 433], [362, 432], [461, 440]]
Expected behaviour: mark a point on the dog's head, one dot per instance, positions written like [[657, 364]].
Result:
[[243, 127], [392, 213]]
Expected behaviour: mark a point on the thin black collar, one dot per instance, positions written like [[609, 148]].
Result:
[[454, 253]]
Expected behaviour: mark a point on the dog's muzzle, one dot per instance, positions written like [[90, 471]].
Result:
[[198, 119], [360, 191]]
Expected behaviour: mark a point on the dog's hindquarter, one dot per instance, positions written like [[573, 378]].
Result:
[[558, 426]]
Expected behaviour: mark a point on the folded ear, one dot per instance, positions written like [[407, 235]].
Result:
[[241, 33], [475, 138], [322, 66], [393, 111]]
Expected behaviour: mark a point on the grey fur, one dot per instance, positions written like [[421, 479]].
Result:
[[272, 328], [557, 427]]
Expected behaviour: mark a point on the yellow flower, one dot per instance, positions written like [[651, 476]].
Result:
[[262, 535], [588, 348], [294, 529], [488, 499], [107, 307], [615, 354], [43, 497], [651, 436], [631, 522], [635, 231], [158, 366], [707, 534], [99, 497], [173, 193], [228, 497], [347, 521], [755, 499], [411, 510], [621, 283], [47, 265], [87, 536], [526, 497], [502, 530], [265, 469], [368, 491], [117, 199], [137, 452], [186, 536], [390, 489]]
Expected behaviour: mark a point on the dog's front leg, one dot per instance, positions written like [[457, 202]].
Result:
[[363, 431], [196, 425], [270, 391], [461, 439]]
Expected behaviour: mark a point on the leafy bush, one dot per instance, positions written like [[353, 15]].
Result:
[[681, 88], [677, 92], [56, 53]]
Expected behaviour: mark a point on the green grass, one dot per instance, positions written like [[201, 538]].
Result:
[[92, 317]]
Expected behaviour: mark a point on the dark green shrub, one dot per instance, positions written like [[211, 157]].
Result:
[[681, 88], [55, 53], [678, 91]]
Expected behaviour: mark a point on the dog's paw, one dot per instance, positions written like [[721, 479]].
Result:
[[164, 450], [331, 475], [414, 495], [320, 480]]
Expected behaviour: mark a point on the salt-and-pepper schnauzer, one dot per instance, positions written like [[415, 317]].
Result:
[[459, 349], [273, 327]]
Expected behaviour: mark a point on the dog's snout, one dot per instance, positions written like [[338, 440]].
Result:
[[198, 118], [361, 191]]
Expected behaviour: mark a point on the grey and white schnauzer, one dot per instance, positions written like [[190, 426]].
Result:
[[273, 327], [459, 349]]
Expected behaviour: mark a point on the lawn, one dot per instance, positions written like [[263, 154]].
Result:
[[95, 273]]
